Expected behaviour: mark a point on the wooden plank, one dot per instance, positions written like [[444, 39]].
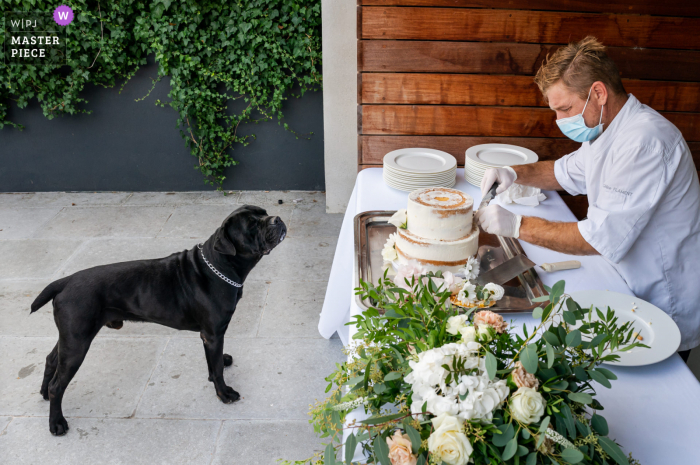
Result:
[[638, 7], [510, 58], [535, 27], [373, 148], [470, 89], [578, 204], [438, 120]]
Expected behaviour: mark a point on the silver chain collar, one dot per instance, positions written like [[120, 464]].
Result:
[[217, 272]]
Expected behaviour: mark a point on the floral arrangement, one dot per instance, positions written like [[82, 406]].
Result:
[[445, 385]]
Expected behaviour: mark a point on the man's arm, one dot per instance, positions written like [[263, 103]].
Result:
[[540, 174], [561, 237]]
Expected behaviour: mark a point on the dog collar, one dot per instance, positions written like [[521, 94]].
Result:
[[217, 272]]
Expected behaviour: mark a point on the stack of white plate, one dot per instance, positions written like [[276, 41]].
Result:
[[479, 158], [414, 168]]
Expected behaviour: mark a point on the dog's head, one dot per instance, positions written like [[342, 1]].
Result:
[[249, 230]]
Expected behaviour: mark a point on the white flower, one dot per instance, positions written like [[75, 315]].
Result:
[[468, 334], [407, 271], [486, 333], [495, 290], [456, 323], [467, 295], [471, 269], [448, 443], [399, 219], [428, 384], [527, 405], [389, 251]]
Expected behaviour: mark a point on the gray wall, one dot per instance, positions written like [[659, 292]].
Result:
[[135, 146]]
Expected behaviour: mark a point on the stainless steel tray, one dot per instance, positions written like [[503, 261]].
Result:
[[372, 231]]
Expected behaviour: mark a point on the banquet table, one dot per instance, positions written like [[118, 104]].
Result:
[[651, 410]]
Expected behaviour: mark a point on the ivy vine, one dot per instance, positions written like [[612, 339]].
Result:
[[213, 52]]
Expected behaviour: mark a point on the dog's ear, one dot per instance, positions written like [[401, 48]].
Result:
[[223, 244]]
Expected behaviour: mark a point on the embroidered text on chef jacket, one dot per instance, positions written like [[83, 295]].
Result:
[[644, 210]]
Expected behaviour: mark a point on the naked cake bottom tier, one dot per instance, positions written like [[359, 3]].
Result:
[[437, 254]]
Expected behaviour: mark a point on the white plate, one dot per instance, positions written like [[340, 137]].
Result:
[[399, 175], [496, 155], [410, 188], [417, 160], [662, 335]]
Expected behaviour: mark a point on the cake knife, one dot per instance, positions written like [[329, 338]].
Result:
[[505, 271], [489, 195]]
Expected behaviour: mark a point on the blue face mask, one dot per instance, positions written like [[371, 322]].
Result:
[[574, 127]]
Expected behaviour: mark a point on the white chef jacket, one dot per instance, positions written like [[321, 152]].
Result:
[[644, 210]]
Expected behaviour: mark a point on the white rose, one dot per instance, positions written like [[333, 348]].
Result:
[[455, 324], [399, 219], [389, 251], [486, 333], [468, 293], [448, 443], [495, 290], [527, 405], [468, 334]]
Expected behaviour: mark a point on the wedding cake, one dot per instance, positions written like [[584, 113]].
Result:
[[436, 229]]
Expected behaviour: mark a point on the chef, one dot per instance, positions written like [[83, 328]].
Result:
[[640, 179]]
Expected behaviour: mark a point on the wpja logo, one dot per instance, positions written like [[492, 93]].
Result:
[[36, 38]]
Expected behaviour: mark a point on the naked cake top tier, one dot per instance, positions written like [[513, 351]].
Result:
[[439, 213]]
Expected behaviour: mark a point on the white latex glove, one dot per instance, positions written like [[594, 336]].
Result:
[[505, 176], [495, 219]]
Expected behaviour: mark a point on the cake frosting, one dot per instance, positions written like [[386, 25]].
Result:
[[440, 213], [440, 233]]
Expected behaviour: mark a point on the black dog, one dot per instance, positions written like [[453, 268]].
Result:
[[194, 290]]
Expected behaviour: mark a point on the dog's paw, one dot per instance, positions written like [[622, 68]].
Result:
[[58, 426], [228, 396], [44, 392], [228, 360]]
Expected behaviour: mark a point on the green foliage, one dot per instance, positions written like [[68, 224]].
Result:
[[564, 353], [214, 52]]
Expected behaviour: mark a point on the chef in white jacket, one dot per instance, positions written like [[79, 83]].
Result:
[[640, 179]]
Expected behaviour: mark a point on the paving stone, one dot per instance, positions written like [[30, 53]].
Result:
[[114, 442], [109, 383], [276, 378], [16, 298], [264, 442], [18, 223], [297, 259], [292, 309], [200, 221], [311, 220], [34, 258], [104, 251], [107, 221], [162, 198], [4, 421], [62, 199], [219, 198], [267, 198]]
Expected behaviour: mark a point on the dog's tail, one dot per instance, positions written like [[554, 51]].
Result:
[[49, 293]]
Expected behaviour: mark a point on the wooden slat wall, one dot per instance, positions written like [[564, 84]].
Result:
[[450, 74]]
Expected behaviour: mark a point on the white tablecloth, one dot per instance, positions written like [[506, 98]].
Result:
[[652, 411]]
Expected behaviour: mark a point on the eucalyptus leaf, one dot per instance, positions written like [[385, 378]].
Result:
[[613, 450], [529, 358], [600, 425], [381, 450], [571, 455], [491, 365], [413, 435], [392, 376], [600, 377], [531, 459], [507, 433], [580, 397], [350, 446], [573, 339], [329, 456], [511, 448], [382, 419]]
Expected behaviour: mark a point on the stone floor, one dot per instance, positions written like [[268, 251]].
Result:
[[142, 394]]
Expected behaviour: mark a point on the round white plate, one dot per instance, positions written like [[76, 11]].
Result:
[[496, 155], [399, 175], [657, 329], [417, 160], [410, 188]]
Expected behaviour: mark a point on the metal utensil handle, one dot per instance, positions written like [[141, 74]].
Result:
[[494, 187]]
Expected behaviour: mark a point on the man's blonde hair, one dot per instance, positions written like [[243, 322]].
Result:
[[578, 66]]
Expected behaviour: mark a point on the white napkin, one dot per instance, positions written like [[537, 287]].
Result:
[[522, 195]]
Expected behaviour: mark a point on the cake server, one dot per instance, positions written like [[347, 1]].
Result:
[[505, 271], [489, 195]]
